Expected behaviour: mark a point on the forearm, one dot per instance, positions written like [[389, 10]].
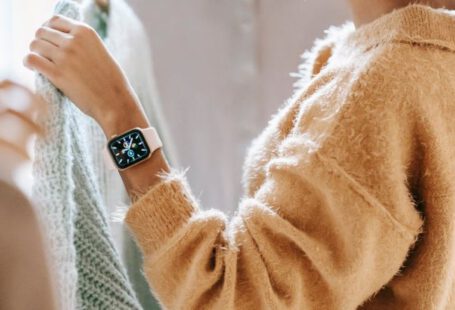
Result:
[[271, 255], [72, 56], [140, 178]]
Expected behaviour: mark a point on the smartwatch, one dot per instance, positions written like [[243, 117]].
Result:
[[132, 147]]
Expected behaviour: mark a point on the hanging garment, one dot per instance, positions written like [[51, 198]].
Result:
[[87, 266], [125, 37]]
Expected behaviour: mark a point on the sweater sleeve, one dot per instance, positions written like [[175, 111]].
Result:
[[311, 237]]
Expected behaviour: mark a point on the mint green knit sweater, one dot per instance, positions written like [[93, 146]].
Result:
[[87, 266]]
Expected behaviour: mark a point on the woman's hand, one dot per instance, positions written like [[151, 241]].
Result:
[[18, 109], [72, 56]]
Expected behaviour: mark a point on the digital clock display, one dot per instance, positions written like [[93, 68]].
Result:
[[129, 149]]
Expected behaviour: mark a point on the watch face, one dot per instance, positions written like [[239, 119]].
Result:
[[129, 149]]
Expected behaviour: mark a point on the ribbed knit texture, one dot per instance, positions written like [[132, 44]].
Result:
[[54, 186], [349, 191], [88, 268]]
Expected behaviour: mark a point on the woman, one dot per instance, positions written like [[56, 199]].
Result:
[[349, 191]]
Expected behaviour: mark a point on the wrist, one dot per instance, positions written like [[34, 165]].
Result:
[[118, 120]]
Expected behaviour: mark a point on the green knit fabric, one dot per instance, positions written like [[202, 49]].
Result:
[[72, 208], [99, 20]]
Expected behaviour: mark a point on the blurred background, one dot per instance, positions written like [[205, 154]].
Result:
[[221, 67]]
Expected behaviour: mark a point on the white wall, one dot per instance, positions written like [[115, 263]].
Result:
[[223, 68], [19, 20]]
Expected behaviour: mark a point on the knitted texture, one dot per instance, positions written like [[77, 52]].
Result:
[[54, 186], [89, 272], [349, 191]]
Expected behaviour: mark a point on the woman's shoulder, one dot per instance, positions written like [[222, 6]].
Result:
[[408, 70], [317, 56]]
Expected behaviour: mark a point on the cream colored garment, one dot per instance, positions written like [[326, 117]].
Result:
[[350, 190], [88, 269]]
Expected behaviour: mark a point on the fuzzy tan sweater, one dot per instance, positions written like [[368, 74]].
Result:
[[349, 192]]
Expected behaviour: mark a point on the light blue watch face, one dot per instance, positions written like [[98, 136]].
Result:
[[129, 149]]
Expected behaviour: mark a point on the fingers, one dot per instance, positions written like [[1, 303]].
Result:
[[67, 28], [44, 48], [62, 23], [19, 98], [4, 103], [6, 84], [41, 64], [20, 102], [15, 132], [16, 149], [50, 35], [17, 108]]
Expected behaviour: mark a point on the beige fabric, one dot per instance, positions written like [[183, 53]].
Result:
[[350, 194], [25, 282]]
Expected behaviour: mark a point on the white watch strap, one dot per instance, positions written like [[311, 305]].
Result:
[[151, 137]]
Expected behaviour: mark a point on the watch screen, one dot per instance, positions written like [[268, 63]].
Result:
[[129, 148]]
